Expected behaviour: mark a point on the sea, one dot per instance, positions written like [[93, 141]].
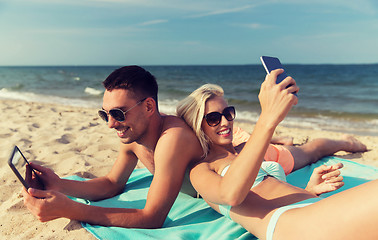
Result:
[[331, 97]]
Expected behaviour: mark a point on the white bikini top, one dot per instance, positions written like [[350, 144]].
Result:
[[268, 168]]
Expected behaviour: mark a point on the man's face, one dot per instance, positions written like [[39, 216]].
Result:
[[135, 123]]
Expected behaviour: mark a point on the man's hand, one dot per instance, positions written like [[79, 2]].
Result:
[[46, 205], [48, 177], [325, 179]]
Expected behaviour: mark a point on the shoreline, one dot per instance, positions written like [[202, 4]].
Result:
[[353, 123], [75, 141]]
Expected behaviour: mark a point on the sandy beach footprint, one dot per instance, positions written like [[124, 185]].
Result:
[[5, 135], [33, 127], [66, 139]]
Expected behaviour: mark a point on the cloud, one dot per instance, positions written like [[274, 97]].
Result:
[[368, 7], [254, 25], [222, 11], [153, 22]]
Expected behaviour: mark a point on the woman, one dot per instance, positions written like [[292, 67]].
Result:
[[236, 183]]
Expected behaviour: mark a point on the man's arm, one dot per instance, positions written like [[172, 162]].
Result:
[[173, 153], [95, 189], [52, 203], [107, 186], [174, 150]]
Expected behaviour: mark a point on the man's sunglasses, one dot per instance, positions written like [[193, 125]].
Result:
[[117, 113], [214, 118]]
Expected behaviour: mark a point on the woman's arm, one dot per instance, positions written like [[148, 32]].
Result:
[[276, 101], [235, 185]]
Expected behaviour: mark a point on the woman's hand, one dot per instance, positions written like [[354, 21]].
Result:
[[276, 100], [325, 179]]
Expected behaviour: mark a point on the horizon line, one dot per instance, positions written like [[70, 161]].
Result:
[[178, 65]]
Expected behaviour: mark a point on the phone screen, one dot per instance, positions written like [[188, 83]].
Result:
[[25, 173]]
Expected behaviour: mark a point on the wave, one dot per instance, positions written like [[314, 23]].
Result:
[[168, 106], [318, 121], [18, 87], [93, 91], [33, 97]]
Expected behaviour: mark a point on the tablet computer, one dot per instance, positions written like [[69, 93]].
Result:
[[23, 171]]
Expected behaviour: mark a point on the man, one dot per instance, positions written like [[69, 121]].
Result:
[[164, 144]]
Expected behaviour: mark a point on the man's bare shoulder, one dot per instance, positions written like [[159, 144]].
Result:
[[176, 132], [131, 149], [176, 128], [174, 123]]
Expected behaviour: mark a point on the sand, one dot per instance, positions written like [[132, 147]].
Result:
[[74, 141]]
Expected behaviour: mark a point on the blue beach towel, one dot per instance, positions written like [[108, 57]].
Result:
[[192, 218]]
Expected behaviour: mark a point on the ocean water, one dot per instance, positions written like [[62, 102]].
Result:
[[331, 97]]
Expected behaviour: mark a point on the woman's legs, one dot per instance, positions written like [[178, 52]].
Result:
[[316, 149], [282, 140], [351, 214]]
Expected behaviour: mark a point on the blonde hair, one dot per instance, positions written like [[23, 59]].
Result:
[[192, 110]]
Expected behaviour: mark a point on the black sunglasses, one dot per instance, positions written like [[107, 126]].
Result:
[[214, 118], [117, 113]]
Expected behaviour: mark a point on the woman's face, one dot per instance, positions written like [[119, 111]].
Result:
[[220, 134]]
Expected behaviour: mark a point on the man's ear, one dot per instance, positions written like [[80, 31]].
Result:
[[150, 105]]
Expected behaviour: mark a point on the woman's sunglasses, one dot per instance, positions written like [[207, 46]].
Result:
[[214, 118], [116, 113]]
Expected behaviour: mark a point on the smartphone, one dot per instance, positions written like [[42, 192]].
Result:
[[23, 171], [272, 63]]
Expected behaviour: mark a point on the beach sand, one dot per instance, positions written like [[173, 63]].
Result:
[[74, 141]]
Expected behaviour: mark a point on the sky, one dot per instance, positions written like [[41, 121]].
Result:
[[187, 32]]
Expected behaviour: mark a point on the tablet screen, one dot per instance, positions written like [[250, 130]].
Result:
[[27, 175]]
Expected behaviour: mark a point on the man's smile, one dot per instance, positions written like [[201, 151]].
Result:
[[122, 132]]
